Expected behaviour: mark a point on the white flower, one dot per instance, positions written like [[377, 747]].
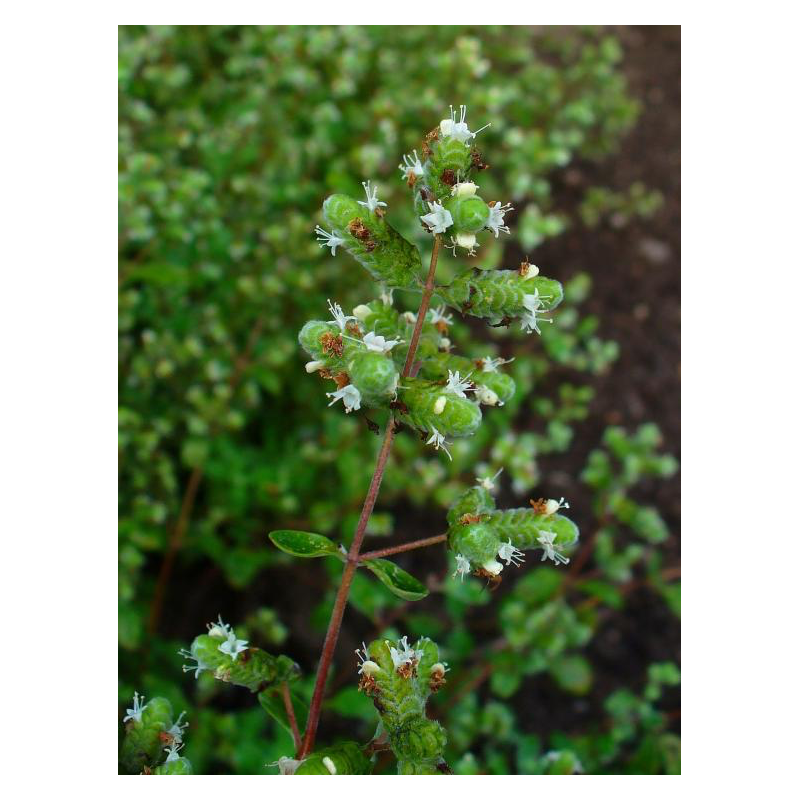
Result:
[[458, 385], [218, 629], [458, 130], [495, 221], [437, 440], [339, 317], [386, 296], [372, 197], [546, 539], [362, 312], [439, 405], [326, 239], [486, 396], [466, 240], [349, 395], [172, 751], [411, 166], [366, 665], [233, 646], [287, 766], [533, 304], [510, 554], [176, 731], [439, 219], [530, 271], [489, 483], [378, 344], [444, 344], [437, 315], [462, 566], [466, 189], [329, 765], [199, 665], [135, 713], [493, 567], [490, 364], [405, 654], [551, 506], [314, 366], [410, 317]]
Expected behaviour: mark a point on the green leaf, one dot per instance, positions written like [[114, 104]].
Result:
[[304, 545], [272, 702], [572, 673], [396, 580], [603, 591]]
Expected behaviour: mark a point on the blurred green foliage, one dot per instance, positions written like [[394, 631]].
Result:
[[230, 138]]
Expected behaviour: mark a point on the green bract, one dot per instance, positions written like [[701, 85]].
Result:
[[375, 244], [231, 661], [502, 294], [449, 161], [429, 406], [399, 679], [482, 537], [470, 214], [346, 758], [150, 730]]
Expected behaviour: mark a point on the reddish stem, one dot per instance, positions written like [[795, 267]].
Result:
[[287, 702], [401, 548], [335, 624]]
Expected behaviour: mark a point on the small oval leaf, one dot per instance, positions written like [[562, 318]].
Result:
[[304, 545], [396, 580]]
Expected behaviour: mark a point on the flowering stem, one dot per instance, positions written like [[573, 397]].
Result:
[[423, 306], [335, 624], [401, 548], [287, 702]]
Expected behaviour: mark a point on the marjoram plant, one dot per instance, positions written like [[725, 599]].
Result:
[[402, 364]]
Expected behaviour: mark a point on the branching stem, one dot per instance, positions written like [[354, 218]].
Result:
[[402, 548], [339, 604], [287, 702]]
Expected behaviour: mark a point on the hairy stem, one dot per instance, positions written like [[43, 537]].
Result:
[[287, 702], [423, 307], [401, 548], [335, 624]]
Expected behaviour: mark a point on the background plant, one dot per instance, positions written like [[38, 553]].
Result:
[[229, 137]]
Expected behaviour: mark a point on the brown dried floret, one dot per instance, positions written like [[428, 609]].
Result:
[[357, 227], [368, 686], [524, 268], [332, 343], [448, 177], [354, 329], [399, 405], [492, 580], [477, 160], [539, 506], [437, 678], [342, 379], [469, 519], [408, 669]]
